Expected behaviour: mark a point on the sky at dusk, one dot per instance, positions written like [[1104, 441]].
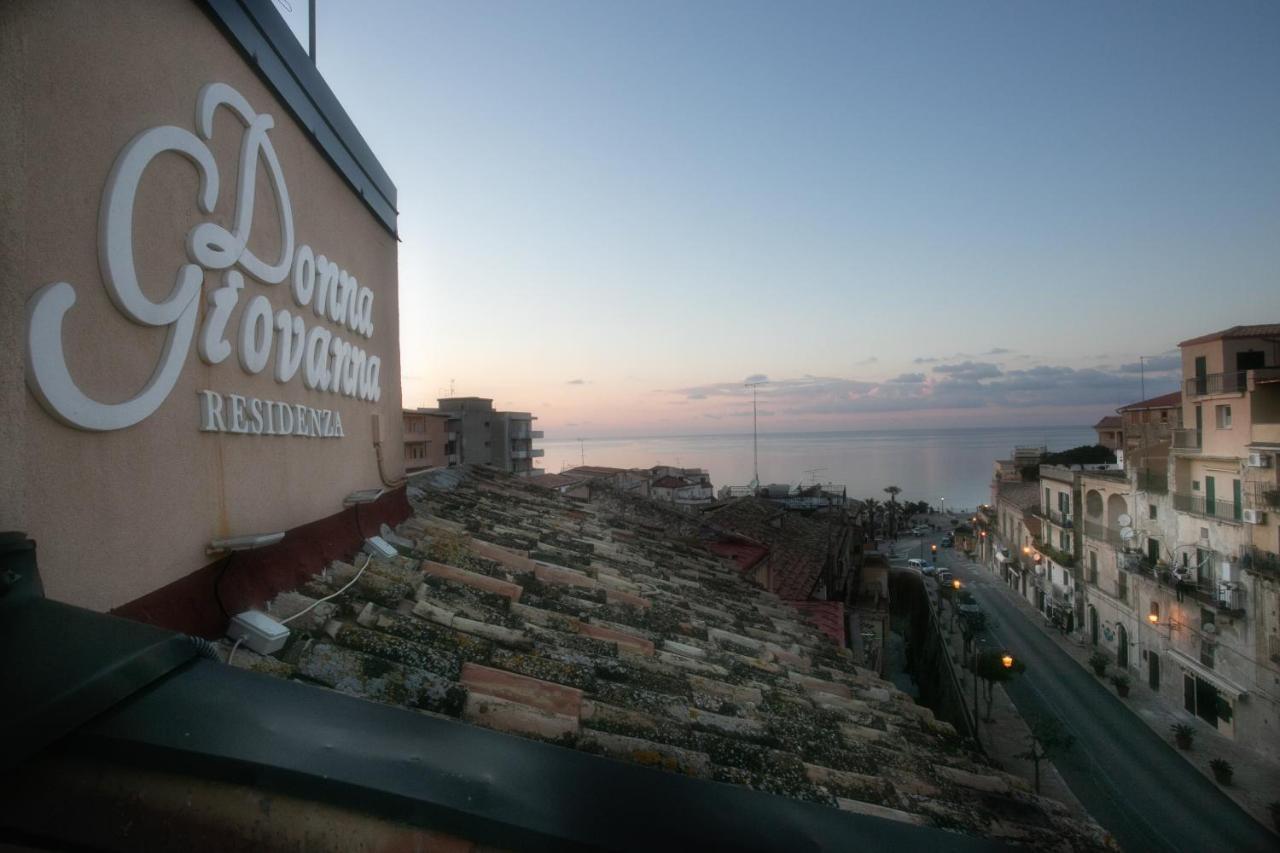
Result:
[[923, 214]]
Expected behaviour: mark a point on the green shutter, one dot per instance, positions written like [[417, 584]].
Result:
[[1210, 496], [1237, 501]]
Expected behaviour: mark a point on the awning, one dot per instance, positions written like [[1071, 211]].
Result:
[[1235, 691]]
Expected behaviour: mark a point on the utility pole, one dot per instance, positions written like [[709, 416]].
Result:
[[755, 436]]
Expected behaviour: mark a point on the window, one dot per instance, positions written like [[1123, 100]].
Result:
[[1155, 611], [1164, 417], [1047, 502], [1064, 543], [1093, 567], [1223, 416], [1064, 503], [1206, 637], [1151, 511], [1195, 485], [1122, 586]]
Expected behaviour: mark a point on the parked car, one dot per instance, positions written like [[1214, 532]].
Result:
[[921, 566], [943, 576], [919, 531], [948, 541]]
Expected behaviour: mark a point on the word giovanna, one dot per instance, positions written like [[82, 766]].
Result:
[[326, 361]]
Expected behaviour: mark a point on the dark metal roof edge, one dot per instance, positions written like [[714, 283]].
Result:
[[269, 46], [215, 721]]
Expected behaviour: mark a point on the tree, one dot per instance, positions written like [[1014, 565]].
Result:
[[1048, 739], [871, 507], [989, 666], [893, 492]]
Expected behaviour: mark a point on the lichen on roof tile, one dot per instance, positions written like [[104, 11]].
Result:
[[611, 628]]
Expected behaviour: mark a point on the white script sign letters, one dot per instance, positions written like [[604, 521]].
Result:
[[221, 257]]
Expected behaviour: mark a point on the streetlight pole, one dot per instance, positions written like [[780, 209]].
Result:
[[755, 436]]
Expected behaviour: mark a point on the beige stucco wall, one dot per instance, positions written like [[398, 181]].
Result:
[[118, 514]]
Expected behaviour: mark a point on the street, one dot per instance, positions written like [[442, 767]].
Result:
[[1131, 781]]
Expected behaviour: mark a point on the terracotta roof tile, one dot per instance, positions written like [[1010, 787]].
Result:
[[710, 677], [1266, 330], [1164, 401]]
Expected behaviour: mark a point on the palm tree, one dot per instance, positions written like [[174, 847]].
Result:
[[893, 492], [870, 506]]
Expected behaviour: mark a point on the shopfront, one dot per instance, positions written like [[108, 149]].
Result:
[[199, 292]]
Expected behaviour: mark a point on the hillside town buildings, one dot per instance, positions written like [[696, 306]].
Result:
[[1170, 564], [469, 431]]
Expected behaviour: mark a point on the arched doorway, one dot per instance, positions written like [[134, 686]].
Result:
[[1093, 624], [1122, 647]]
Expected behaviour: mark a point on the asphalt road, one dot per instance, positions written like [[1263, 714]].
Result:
[[1132, 781]]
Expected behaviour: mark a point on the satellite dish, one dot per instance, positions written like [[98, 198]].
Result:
[[1126, 534], [1125, 520], [1209, 628]]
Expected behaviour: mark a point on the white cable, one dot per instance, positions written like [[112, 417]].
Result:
[[368, 559], [231, 654]]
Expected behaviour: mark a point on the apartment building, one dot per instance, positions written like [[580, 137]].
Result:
[[1056, 571], [1017, 528], [430, 439], [1182, 577], [1146, 428], [1110, 432], [485, 436]]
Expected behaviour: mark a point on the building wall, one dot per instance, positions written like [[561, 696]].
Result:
[[121, 512]]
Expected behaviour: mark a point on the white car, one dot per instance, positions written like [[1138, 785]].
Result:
[[921, 566]]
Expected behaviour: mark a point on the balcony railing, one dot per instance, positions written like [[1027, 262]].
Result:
[[1264, 496], [1198, 505], [537, 433], [1234, 382], [1187, 439], [1261, 562], [1155, 482], [1102, 533]]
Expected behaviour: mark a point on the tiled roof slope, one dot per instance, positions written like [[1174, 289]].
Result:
[[1022, 495], [523, 612], [1164, 401], [797, 545]]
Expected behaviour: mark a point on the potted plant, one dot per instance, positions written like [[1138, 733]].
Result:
[[1099, 662], [1183, 734], [1222, 770], [1121, 681]]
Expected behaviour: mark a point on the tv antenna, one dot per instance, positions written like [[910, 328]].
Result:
[[813, 473], [755, 434], [583, 450]]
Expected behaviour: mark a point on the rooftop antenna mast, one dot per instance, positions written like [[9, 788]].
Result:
[[583, 450], [755, 434]]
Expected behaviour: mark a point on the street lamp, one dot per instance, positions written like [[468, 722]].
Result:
[[1006, 661], [955, 584]]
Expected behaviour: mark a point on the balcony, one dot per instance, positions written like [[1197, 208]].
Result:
[[536, 453], [1187, 440], [1226, 598], [1102, 533], [537, 433], [1261, 562], [1235, 382], [1197, 505], [1264, 496]]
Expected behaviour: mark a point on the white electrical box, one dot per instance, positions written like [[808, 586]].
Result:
[[258, 631], [376, 546]]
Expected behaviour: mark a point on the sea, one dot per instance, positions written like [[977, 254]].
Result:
[[946, 467]]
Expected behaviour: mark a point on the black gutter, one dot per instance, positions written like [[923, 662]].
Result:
[[215, 721], [270, 48], [61, 665]]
